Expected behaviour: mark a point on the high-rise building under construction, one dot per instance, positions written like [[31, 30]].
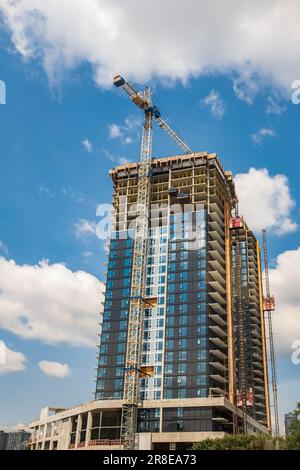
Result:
[[190, 358], [201, 349]]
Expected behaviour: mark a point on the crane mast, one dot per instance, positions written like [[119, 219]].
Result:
[[269, 307], [236, 225], [137, 300]]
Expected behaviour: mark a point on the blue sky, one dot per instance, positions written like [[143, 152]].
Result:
[[52, 184]]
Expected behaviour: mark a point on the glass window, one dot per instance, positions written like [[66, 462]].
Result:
[[121, 347], [123, 324], [202, 307], [168, 368], [119, 371], [168, 381], [120, 359], [170, 332], [159, 334], [201, 330], [124, 314], [171, 309], [118, 383], [170, 321], [202, 342], [101, 372], [201, 318], [183, 298], [158, 357], [102, 360], [182, 331], [169, 356], [202, 354], [172, 288], [182, 368], [182, 356], [181, 393], [181, 380], [201, 367], [104, 337], [122, 336], [100, 384], [184, 276], [201, 380]]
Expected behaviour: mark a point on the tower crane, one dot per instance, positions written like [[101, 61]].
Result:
[[236, 225], [137, 301], [269, 307]]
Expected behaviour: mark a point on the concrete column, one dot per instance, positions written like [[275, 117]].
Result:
[[88, 429], [78, 430], [44, 436], [52, 435]]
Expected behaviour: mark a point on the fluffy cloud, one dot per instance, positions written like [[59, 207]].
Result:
[[126, 133], [284, 279], [85, 227], [49, 302], [215, 104], [274, 106], [14, 427], [56, 369], [11, 361], [261, 135], [265, 201], [114, 37], [87, 145]]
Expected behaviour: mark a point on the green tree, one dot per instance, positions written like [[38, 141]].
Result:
[[238, 442], [293, 439]]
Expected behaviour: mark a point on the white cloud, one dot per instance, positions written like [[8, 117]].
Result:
[[3, 248], [49, 302], [265, 201], [14, 427], [114, 159], [114, 131], [11, 361], [85, 227], [247, 84], [126, 133], [43, 191], [284, 279], [114, 37], [56, 369], [261, 135], [274, 107], [215, 104], [88, 146]]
